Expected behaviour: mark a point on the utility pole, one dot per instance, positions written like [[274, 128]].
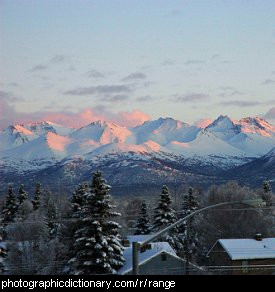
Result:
[[136, 246]]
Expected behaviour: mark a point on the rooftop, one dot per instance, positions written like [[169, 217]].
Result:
[[248, 249]]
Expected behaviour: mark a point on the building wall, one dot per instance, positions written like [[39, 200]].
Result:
[[254, 270], [219, 257], [162, 264]]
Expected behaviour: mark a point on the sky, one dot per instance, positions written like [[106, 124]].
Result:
[[76, 61]]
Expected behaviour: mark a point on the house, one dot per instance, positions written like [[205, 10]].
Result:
[[159, 259], [243, 256]]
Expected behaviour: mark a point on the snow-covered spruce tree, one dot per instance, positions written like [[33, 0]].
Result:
[[36, 202], [267, 193], [51, 217], [143, 225], [78, 199], [22, 195], [187, 230], [10, 207], [97, 241], [164, 216]]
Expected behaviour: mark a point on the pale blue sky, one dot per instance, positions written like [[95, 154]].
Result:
[[182, 58]]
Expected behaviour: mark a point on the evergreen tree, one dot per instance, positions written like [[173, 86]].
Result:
[[22, 195], [267, 193], [78, 199], [36, 202], [51, 219], [143, 225], [10, 207], [188, 233], [97, 241], [164, 213], [165, 216]]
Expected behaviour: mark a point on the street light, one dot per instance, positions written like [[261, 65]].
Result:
[[136, 246]]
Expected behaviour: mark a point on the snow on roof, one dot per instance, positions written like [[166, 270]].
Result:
[[248, 249], [156, 248], [138, 238]]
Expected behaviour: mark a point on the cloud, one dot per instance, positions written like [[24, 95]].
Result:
[[240, 103], [144, 98], [89, 115], [132, 119], [167, 62], [175, 12], [38, 68], [268, 82], [9, 115], [12, 84], [192, 97], [270, 115], [194, 62], [245, 103], [134, 77], [8, 96], [58, 59], [116, 98], [215, 56], [101, 89], [203, 123], [229, 93], [95, 74]]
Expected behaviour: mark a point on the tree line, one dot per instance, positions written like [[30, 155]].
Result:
[[83, 235]]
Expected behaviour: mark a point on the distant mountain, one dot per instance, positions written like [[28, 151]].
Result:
[[158, 150], [257, 170]]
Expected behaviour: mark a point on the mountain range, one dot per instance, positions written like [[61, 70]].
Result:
[[159, 151]]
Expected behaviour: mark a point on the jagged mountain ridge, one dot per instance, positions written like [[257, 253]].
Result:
[[226, 138], [159, 150]]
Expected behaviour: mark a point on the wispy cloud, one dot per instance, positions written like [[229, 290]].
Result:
[[134, 77], [268, 82], [39, 67], [168, 62], [215, 56], [175, 12], [9, 115], [270, 114], [245, 103], [192, 97], [239, 103], [101, 89], [95, 74], [9, 96], [231, 93], [144, 98], [58, 59], [116, 98], [194, 62]]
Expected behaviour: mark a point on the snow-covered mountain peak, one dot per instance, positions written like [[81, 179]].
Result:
[[41, 128], [223, 123], [165, 130], [257, 125], [103, 132], [44, 127], [18, 129]]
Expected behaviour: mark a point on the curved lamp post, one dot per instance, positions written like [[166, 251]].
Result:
[[136, 246]]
